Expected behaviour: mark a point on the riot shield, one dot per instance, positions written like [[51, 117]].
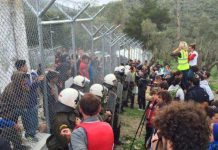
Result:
[[86, 89], [69, 82], [120, 94], [111, 104]]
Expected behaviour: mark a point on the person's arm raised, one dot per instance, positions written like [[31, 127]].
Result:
[[176, 52]]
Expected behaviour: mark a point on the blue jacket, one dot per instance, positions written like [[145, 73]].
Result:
[[33, 86], [213, 146], [6, 123]]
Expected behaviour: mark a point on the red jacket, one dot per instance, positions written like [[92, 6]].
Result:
[[150, 113], [191, 56], [83, 69], [99, 135]]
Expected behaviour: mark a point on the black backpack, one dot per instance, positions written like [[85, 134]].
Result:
[[197, 94]]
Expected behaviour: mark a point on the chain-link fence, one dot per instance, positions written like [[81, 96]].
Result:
[[19, 99], [42, 44]]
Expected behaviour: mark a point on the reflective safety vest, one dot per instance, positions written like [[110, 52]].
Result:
[[183, 61], [99, 135]]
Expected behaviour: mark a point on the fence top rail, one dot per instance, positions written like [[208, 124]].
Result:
[[45, 9]]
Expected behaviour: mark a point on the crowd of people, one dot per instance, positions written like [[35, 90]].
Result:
[[180, 104], [87, 65], [83, 109], [22, 96], [156, 87]]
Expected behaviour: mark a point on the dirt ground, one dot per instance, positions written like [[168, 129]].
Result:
[[130, 120]]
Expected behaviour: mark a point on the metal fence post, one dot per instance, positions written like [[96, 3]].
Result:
[[119, 53], [74, 47], [124, 48], [51, 34], [42, 57], [103, 50]]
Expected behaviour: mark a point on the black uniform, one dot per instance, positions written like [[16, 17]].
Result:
[[65, 117], [114, 105], [142, 85], [121, 79]]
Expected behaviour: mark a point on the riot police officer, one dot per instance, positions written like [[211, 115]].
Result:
[[110, 81], [81, 83], [122, 87], [119, 72], [102, 92], [66, 117]]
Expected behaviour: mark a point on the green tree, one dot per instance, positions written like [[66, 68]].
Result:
[[148, 10]]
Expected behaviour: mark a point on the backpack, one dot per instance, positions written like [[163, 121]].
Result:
[[173, 92], [197, 94], [201, 94]]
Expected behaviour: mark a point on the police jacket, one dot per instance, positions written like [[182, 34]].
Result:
[[65, 117]]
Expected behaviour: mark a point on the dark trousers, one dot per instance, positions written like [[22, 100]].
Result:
[[131, 96], [148, 134], [116, 127], [141, 102], [125, 98], [116, 131], [10, 134], [31, 121], [29, 117], [185, 79], [190, 73]]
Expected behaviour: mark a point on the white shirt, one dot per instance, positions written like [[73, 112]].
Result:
[[194, 61], [180, 93], [204, 84]]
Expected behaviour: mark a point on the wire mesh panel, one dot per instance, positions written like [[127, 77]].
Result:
[[114, 57], [22, 109], [38, 54], [97, 68], [19, 99], [107, 56], [11, 44]]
